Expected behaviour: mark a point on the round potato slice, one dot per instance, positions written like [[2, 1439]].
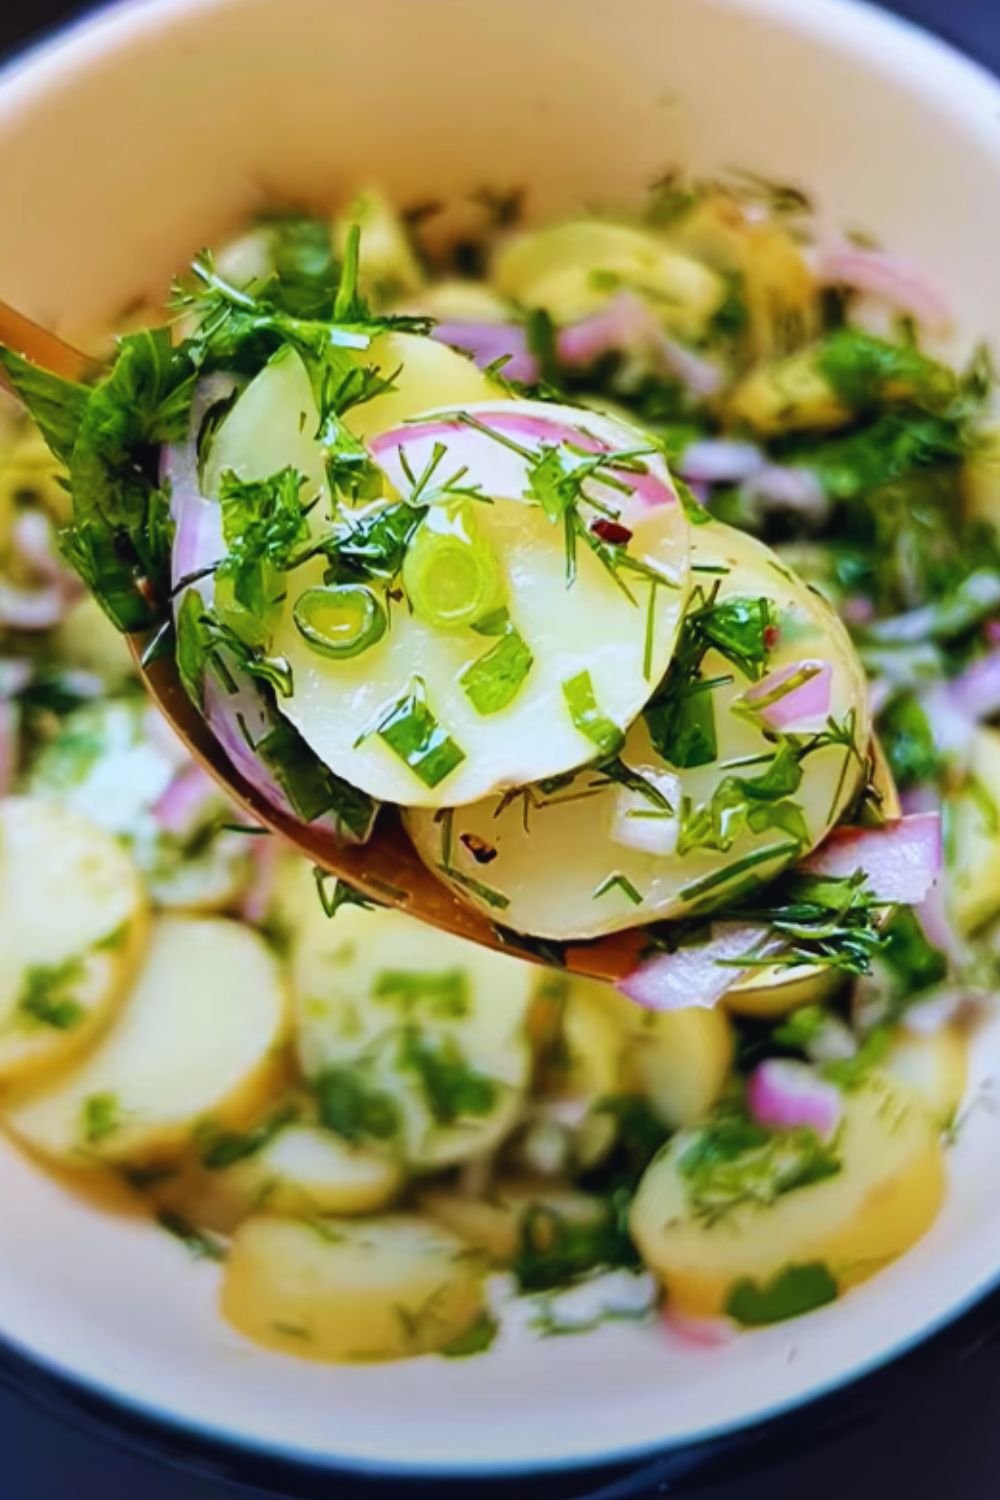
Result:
[[302, 1170], [571, 641], [73, 924], [346, 1292], [705, 1225], [935, 1067], [496, 1225], [199, 1041], [572, 269], [679, 1061], [414, 1040], [682, 837]]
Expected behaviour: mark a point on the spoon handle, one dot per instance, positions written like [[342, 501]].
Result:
[[43, 348]]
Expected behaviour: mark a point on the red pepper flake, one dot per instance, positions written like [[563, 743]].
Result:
[[481, 851], [771, 635], [395, 594], [612, 532]]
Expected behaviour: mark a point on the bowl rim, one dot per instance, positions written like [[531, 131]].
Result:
[[961, 84]]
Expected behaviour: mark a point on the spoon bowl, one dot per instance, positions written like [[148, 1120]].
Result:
[[387, 869]]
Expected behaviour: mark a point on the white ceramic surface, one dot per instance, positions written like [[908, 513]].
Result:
[[148, 131]]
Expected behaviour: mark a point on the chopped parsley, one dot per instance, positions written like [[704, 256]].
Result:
[[47, 995], [493, 681], [555, 1250], [100, 1117], [410, 729], [452, 1088], [199, 1244], [264, 525], [352, 1108], [789, 1294]]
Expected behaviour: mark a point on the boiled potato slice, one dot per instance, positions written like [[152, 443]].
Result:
[[581, 1046], [614, 644], [496, 1224], [73, 924], [787, 395], [973, 846], [336, 1290], [200, 1040], [571, 270], [302, 1170], [614, 850], [87, 639], [679, 1061], [935, 1067], [415, 1041], [884, 1196]]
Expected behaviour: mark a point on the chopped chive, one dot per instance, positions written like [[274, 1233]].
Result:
[[729, 872], [620, 882], [493, 681], [647, 650], [579, 694], [486, 893], [410, 729]]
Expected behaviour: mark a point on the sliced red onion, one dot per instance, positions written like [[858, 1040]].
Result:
[[500, 469], [785, 1095], [185, 803], [976, 691], [796, 696], [265, 854], [857, 609], [9, 724], [488, 342], [32, 610], [880, 694], [720, 461], [889, 279], [240, 720], [789, 487], [15, 674], [34, 541], [699, 1333], [701, 974], [991, 632], [698, 375], [623, 325], [951, 726], [900, 861], [926, 1017]]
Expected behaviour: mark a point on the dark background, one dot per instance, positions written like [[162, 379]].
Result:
[[928, 1427]]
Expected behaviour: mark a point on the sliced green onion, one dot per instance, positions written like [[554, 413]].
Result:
[[494, 681], [341, 620], [411, 730], [450, 573], [579, 694]]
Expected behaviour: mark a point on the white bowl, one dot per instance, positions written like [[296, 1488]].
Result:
[[130, 141]]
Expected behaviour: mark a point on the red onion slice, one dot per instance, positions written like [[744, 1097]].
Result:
[[183, 806], [784, 1095], [701, 974], [900, 861], [501, 470], [488, 342], [266, 856], [889, 279], [796, 696], [15, 674], [976, 691], [623, 325], [32, 610], [719, 461], [699, 1333]]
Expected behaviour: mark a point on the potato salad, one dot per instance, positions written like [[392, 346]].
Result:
[[642, 570]]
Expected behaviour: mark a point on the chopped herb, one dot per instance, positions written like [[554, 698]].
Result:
[[343, 893], [198, 1242], [620, 882], [218, 1149], [443, 993], [410, 729], [493, 681], [46, 997], [348, 1105], [452, 1088], [263, 525], [586, 715], [789, 1294], [733, 1163], [101, 1117], [555, 1250], [476, 1339]]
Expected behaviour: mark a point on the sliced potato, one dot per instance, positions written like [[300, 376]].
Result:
[[615, 851], [73, 924], [415, 1041], [885, 1195], [787, 395], [495, 1224], [199, 1040], [571, 270], [591, 631], [679, 1061], [302, 1170], [935, 1067], [973, 845], [388, 266], [343, 1291], [580, 1065], [88, 640]]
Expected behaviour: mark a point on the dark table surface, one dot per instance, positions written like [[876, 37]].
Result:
[[927, 1427]]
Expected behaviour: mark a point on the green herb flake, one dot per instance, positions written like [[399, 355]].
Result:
[[46, 997], [452, 1088], [586, 715], [789, 1294], [101, 1117], [352, 1108], [199, 1244], [493, 681], [620, 882], [414, 734]]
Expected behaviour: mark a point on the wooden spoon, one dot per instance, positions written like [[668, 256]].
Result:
[[387, 868]]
